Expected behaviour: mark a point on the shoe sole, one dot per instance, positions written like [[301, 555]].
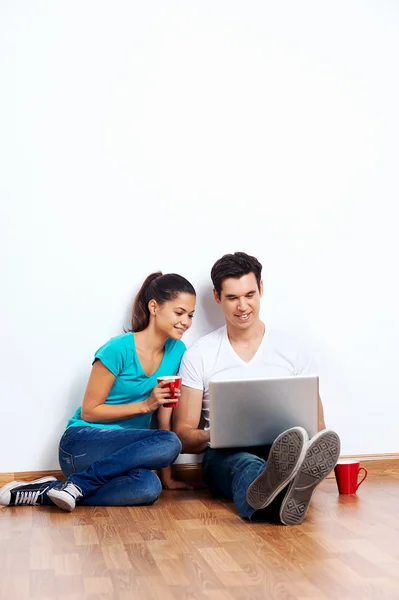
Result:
[[320, 459], [61, 501], [9, 486], [285, 458]]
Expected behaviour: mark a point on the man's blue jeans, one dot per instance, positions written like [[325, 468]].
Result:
[[230, 472], [113, 467]]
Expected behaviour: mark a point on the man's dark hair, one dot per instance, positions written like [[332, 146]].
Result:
[[234, 265]]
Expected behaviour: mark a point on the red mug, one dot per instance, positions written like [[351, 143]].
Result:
[[174, 383], [347, 475]]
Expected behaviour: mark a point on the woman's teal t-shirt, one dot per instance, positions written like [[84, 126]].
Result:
[[131, 384]]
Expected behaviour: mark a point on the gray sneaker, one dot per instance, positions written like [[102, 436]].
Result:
[[65, 494], [285, 458], [321, 457]]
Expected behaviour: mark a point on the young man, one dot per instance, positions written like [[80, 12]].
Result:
[[279, 488]]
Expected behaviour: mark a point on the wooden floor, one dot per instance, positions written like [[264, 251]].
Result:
[[191, 546]]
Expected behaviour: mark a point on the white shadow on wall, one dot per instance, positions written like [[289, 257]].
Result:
[[211, 312], [74, 398]]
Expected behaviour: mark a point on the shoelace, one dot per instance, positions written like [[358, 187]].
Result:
[[27, 497]]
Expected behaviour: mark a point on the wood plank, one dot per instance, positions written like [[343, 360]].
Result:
[[195, 547]]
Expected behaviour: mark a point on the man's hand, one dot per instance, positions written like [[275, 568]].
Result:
[[186, 418]]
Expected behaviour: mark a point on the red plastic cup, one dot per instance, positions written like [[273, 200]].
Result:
[[174, 383], [347, 476]]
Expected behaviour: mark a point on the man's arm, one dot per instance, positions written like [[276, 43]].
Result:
[[186, 418], [322, 424]]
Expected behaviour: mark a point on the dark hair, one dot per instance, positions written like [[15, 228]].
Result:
[[161, 288], [234, 265]]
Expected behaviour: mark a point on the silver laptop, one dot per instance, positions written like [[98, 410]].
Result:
[[253, 412]]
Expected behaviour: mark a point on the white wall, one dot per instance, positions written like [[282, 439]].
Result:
[[159, 135]]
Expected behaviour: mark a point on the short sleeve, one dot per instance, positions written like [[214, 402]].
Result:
[[191, 369], [305, 363], [113, 355]]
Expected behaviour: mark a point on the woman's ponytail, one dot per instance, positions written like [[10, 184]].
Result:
[[141, 313], [161, 288]]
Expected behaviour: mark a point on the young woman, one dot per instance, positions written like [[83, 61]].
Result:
[[108, 453]]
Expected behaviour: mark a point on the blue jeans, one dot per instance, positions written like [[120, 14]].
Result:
[[113, 467], [230, 472]]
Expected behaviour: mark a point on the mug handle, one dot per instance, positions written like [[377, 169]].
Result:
[[364, 476]]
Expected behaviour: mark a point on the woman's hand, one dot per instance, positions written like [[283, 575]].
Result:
[[160, 395]]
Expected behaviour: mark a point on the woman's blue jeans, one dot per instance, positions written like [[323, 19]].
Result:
[[113, 467]]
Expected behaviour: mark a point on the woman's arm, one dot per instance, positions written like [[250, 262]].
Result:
[[94, 409], [166, 476]]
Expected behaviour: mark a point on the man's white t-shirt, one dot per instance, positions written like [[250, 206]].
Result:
[[213, 357]]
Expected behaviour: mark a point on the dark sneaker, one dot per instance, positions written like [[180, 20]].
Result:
[[285, 458], [18, 493], [65, 494], [321, 457]]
